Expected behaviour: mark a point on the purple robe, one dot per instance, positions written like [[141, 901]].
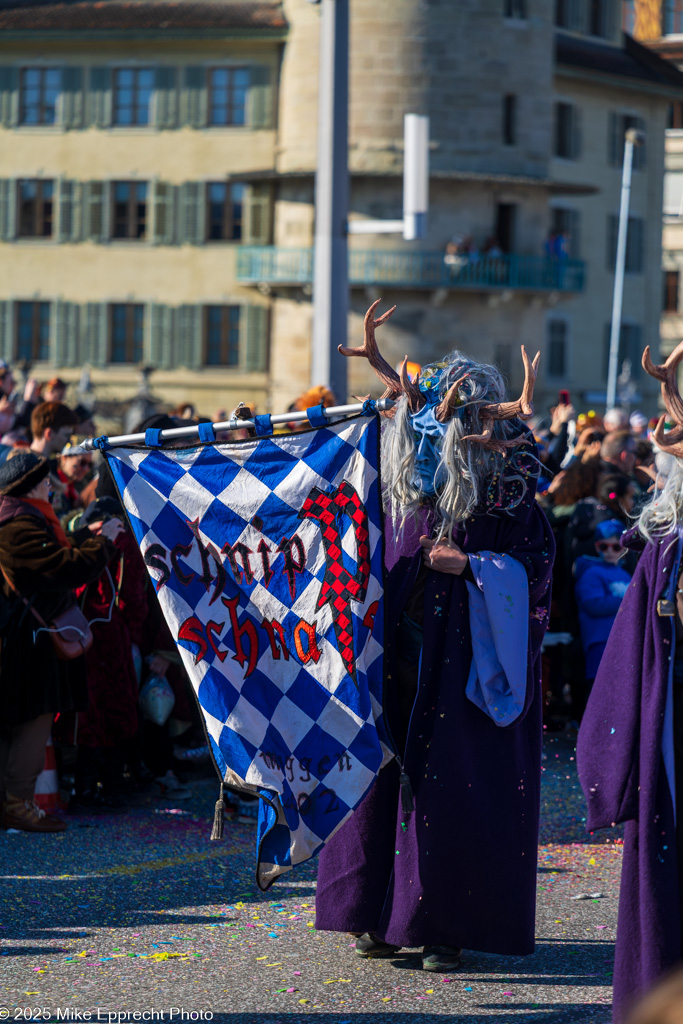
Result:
[[621, 753], [460, 869]]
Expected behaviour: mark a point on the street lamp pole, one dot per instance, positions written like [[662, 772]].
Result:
[[633, 138], [330, 269]]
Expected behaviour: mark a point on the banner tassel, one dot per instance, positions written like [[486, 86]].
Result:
[[218, 816], [407, 803]]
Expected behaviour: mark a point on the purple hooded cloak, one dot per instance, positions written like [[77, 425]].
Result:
[[460, 869], [624, 757]]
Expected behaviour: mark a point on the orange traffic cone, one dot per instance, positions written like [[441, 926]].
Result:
[[47, 785]]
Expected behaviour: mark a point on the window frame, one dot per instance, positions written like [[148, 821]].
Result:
[[135, 70], [39, 212], [38, 354], [672, 17], [226, 328], [43, 70], [551, 324], [132, 309], [510, 117], [635, 255], [230, 70], [515, 10], [672, 283], [132, 215], [229, 224], [568, 135]]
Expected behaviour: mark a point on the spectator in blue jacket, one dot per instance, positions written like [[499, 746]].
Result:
[[600, 585]]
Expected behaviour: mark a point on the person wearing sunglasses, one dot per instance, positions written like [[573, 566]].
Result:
[[600, 585]]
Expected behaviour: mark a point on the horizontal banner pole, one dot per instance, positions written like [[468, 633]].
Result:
[[174, 433]]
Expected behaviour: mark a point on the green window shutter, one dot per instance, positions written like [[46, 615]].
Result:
[[163, 207], [193, 212], [9, 96], [60, 333], [96, 211], [100, 98], [166, 98], [95, 335], [189, 336], [261, 97], [7, 331], [65, 209], [577, 133], [254, 338], [162, 336], [194, 101], [258, 215], [4, 203], [611, 248], [11, 209], [72, 98]]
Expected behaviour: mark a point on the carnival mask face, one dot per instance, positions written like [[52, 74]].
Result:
[[428, 433]]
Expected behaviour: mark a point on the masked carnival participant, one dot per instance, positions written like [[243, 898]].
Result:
[[630, 747], [442, 852]]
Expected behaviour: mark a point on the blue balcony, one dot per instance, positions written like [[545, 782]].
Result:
[[291, 267]]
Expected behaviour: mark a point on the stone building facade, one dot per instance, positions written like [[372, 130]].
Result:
[[157, 180]]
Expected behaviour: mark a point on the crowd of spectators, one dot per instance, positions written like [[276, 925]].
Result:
[[597, 474]]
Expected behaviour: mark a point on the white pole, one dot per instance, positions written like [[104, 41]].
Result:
[[179, 433], [633, 138], [415, 176], [330, 269]]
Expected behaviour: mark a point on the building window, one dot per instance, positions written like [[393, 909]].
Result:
[[564, 231], [567, 132], [557, 348], [35, 208], [33, 331], [40, 88], [674, 119], [221, 335], [228, 89], [628, 16], [598, 17], [133, 92], [568, 14], [635, 238], [509, 120], [224, 210], [514, 8], [126, 327], [672, 17], [671, 284], [630, 348], [619, 124], [130, 209]]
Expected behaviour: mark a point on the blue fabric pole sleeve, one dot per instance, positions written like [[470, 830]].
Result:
[[206, 432], [263, 426], [153, 437], [316, 416]]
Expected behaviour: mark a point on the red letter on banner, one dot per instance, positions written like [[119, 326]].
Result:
[[238, 632]]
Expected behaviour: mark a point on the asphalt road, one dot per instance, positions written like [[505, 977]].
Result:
[[141, 912]]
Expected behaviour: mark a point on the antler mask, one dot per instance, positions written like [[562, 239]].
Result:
[[669, 441], [397, 385]]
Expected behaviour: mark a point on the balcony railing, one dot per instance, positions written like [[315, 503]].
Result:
[[272, 265]]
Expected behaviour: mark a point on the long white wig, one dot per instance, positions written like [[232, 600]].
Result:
[[664, 511], [470, 477]]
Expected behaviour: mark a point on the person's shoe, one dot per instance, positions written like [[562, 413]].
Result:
[[441, 958], [25, 816], [172, 788], [368, 946]]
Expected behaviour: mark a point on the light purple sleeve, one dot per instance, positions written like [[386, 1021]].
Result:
[[499, 624]]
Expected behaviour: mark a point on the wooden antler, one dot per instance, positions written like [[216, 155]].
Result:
[[523, 408], [450, 401], [416, 399], [667, 374], [669, 441], [369, 350]]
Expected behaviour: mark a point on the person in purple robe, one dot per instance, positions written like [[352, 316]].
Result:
[[442, 852], [630, 745]]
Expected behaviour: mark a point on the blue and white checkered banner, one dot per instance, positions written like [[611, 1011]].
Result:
[[267, 559]]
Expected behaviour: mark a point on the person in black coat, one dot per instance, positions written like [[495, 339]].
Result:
[[39, 569]]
